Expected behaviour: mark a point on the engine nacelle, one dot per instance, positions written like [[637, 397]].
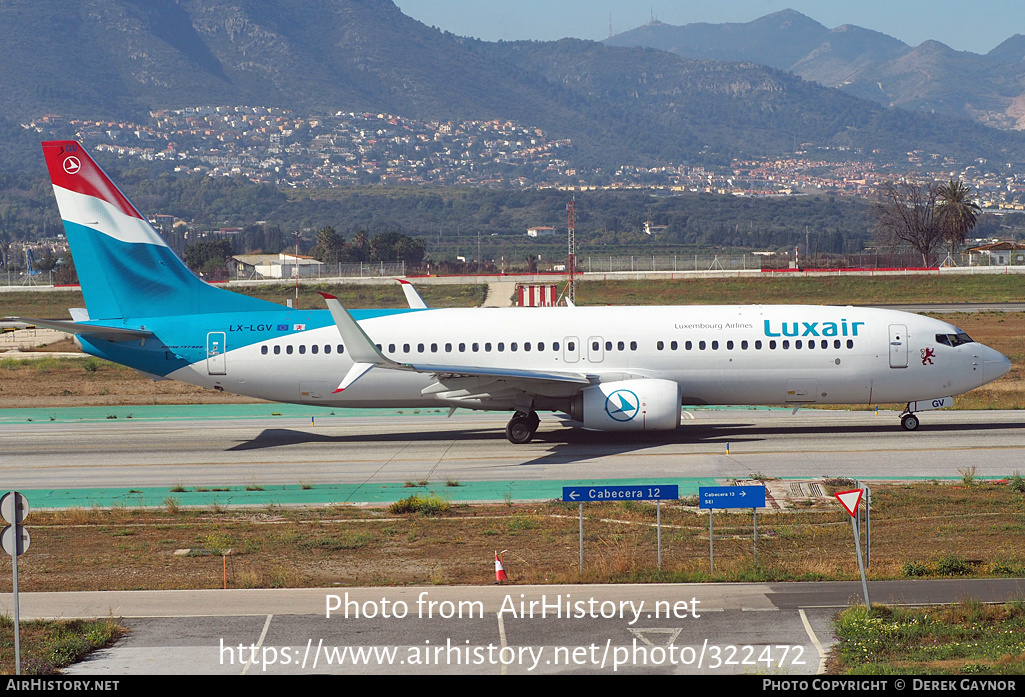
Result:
[[629, 405]]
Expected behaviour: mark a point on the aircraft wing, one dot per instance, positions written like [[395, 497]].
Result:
[[111, 333], [366, 355]]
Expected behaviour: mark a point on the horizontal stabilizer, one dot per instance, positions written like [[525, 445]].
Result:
[[111, 333]]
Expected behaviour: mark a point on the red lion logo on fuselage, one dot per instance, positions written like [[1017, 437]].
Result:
[[927, 355]]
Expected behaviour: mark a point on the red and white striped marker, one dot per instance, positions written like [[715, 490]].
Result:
[[499, 569]]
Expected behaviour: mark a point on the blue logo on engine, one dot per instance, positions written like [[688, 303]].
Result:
[[622, 405]]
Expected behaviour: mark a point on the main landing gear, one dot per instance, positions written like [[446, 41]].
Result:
[[522, 427]]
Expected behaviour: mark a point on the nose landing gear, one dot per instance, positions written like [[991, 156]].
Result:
[[908, 421], [522, 427]]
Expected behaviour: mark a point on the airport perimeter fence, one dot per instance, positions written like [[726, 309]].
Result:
[[335, 270], [759, 262], [597, 264]]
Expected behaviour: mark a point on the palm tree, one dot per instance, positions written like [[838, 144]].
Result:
[[956, 211]]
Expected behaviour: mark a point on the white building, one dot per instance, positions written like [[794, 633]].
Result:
[[277, 265]]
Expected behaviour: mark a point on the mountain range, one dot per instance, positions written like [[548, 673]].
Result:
[[930, 77], [118, 59]]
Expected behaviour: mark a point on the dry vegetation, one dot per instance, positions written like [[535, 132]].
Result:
[[978, 533]]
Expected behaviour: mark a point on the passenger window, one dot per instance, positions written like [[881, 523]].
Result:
[[448, 348], [555, 345], [571, 346], [405, 348], [434, 348], [688, 345], [633, 345], [501, 346], [701, 345], [487, 346], [513, 346], [595, 345], [786, 344], [288, 349], [419, 348], [850, 343], [341, 349], [673, 345], [327, 348], [798, 344], [825, 343], [277, 350], [475, 347], [391, 348], [715, 345], [263, 350], [836, 343], [314, 349], [526, 346], [743, 345], [621, 346], [729, 345], [302, 348], [608, 345], [462, 348], [772, 344]]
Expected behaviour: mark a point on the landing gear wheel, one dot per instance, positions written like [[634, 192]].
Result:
[[522, 427], [909, 422]]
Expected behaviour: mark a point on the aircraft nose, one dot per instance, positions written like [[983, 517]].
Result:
[[996, 365]]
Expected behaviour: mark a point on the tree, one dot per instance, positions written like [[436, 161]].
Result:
[[208, 256], [906, 215], [957, 211], [330, 247]]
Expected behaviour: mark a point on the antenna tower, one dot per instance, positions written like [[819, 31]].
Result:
[[571, 209]]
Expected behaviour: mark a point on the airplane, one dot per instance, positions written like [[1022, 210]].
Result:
[[617, 369]]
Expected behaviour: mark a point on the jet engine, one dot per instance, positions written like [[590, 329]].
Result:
[[629, 405]]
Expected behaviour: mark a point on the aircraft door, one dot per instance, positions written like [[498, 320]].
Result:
[[215, 353], [571, 349], [595, 349], [898, 346]]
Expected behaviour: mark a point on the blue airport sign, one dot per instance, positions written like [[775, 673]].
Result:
[[731, 497], [636, 492]]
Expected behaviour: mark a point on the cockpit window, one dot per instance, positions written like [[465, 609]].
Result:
[[953, 339]]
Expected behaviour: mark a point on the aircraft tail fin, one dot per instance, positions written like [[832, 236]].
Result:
[[125, 268]]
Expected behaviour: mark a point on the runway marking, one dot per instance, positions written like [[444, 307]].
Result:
[[259, 643], [502, 640], [814, 641]]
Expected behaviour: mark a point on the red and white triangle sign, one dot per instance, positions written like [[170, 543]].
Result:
[[850, 500]]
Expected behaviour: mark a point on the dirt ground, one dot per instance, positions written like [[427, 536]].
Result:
[[273, 547]]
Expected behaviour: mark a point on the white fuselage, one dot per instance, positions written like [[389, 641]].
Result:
[[716, 354]]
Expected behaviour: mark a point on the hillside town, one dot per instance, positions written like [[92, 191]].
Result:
[[283, 148]]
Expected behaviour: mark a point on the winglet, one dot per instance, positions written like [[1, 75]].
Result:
[[360, 348], [413, 298]]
